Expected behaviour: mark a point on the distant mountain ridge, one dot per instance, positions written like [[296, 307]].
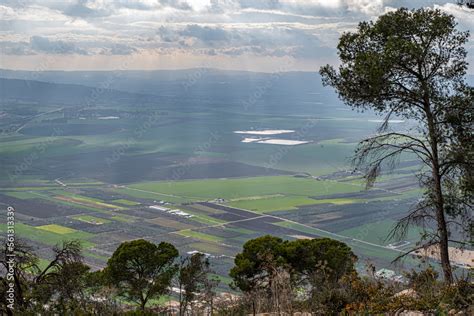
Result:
[[66, 94], [190, 83], [195, 82], [285, 93]]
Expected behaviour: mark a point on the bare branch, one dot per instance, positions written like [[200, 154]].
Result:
[[424, 246]]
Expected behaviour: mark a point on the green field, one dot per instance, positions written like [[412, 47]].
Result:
[[50, 237], [201, 236], [126, 202], [358, 247], [241, 187], [84, 200], [91, 219], [101, 176], [140, 193], [284, 203], [22, 195], [377, 232], [305, 229]]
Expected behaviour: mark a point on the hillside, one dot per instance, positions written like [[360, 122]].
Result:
[[39, 92]]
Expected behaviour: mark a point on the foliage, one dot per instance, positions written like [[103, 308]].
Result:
[[276, 270], [194, 283], [24, 261], [60, 285], [411, 64], [423, 292], [254, 265], [309, 257], [141, 270], [322, 282]]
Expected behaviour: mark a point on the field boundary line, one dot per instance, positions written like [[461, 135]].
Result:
[[158, 193], [319, 229], [190, 229]]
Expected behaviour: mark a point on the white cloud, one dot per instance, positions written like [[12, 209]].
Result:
[[464, 15], [305, 30], [369, 7]]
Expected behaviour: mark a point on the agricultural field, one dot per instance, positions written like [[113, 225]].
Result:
[[221, 214], [174, 169]]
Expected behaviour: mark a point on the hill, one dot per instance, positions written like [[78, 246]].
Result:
[[32, 91]]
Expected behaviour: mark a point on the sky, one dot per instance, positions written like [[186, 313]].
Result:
[[255, 35]]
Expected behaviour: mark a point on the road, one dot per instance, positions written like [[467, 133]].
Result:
[[36, 116]]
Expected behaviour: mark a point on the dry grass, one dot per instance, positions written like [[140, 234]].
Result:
[[458, 256]]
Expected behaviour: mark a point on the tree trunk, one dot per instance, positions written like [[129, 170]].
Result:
[[182, 300], [442, 229], [439, 198], [18, 291], [212, 307], [142, 303]]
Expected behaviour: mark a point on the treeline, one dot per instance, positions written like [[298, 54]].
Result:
[[270, 275]]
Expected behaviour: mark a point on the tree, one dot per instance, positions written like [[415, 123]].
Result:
[[269, 265], [306, 256], [209, 293], [411, 64], [60, 285], [24, 260], [257, 267], [68, 253], [317, 266], [194, 281], [141, 270], [64, 288]]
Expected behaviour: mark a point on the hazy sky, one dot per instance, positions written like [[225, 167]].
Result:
[[260, 35]]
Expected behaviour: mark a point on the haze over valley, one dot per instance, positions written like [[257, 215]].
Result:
[[204, 163]]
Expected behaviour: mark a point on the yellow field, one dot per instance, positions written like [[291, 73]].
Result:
[[57, 229], [86, 202]]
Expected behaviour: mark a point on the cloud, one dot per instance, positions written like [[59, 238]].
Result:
[[97, 8], [205, 33], [259, 40], [119, 49], [81, 9], [369, 7], [15, 48], [308, 46], [181, 5], [463, 15], [262, 4], [310, 7], [44, 45], [253, 50], [244, 30], [167, 34]]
